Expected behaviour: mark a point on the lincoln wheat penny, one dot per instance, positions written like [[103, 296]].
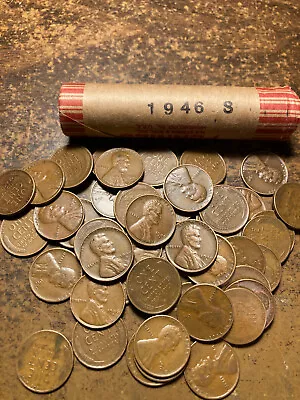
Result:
[[287, 204], [157, 164], [248, 252], [255, 202], [247, 272], [273, 270]]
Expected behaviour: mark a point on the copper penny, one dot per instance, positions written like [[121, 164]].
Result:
[[193, 247], [76, 163], [17, 189], [270, 232], [248, 252], [188, 188], [125, 197], [97, 154], [103, 201], [213, 370], [19, 236], [273, 270], [150, 220], [119, 168], [255, 202], [287, 204], [53, 274], [264, 173], [157, 164], [106, 254], [60, 219], [227, 212], [49, 179], [97, 305], [162, 346], [212, 163], [249, 316], [99, 349], [140, 253], [222, 268], [158, 379], [153, 285], [206, 312], [45, 361], [247, 272]]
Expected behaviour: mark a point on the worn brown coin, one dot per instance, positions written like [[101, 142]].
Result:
[[273, 270], [60, 219], [17, 189], [53, 274], [19, 236], [153, 285], [45, 361], [212, 163], [269, 232], [103, 201], [228, 211], [188, 188], [193, 247], [222, 268], [264, 173], [157, 164], [247, 272], [119, 168], [125, 197], [99, 349], [106, 254], [150, 220], [287, 204], [76, 163], [248, 252], [162, 346], [249, 316], [213, 370], [97, 305], [49, 179], [140, 253], [158, 379], [255, 202], [206, 312], [262, 292]]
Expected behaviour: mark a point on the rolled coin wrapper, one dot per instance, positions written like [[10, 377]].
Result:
[[204, 112]]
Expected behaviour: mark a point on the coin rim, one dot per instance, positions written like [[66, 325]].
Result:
[[101, 213], [281, 188]]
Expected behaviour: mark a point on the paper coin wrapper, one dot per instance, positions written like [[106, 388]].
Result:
[[206, 112]]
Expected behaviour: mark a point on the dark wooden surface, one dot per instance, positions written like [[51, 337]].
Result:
[[45, 43]]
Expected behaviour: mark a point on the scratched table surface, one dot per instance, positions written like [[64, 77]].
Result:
[[45, 43]]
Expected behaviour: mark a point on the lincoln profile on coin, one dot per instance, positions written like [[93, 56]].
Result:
[[191, 190], [116, 174], [94, 312]]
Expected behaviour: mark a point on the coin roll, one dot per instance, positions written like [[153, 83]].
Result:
[[91, 109]]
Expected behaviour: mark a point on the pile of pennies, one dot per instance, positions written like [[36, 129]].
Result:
[[197, 259]]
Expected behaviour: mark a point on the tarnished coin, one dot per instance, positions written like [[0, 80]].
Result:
[[188, 188], [273, 270], [125, 197], [162, 346], [97, 305], [159, 379], [247, 272], [106, 254], [264, 173], [99, 349], [53, 274], [17, 190], [269, 232], [228, 211], [255, 202], [119, 168], [140, 253], [212, 163], [248, 252], [287, 204], [76, 163], [103, 201], [150, 220], [249, 316], [153, 285], [49, 179], [193, 247], [19, 236], [222, 268], [60, 219], [213, 370], [206, 312], [157, 164], [262, 292], [45, 361]]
